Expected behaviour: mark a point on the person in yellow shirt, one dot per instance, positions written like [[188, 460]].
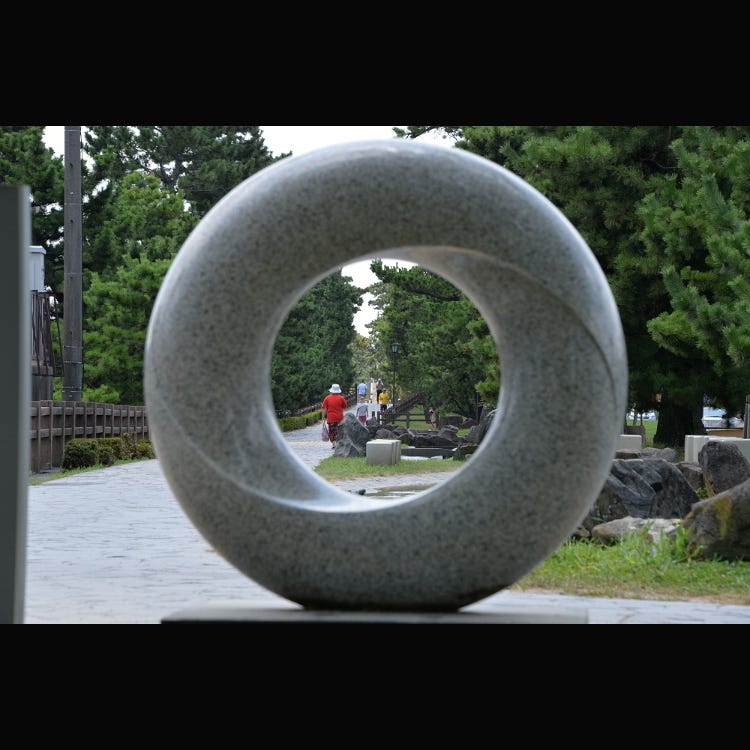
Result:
[[383, 400]]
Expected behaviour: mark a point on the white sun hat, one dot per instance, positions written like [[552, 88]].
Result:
[[335, 388]]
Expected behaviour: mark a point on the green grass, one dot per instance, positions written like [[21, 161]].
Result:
[[650, 425], [635, 569], [333, 468]]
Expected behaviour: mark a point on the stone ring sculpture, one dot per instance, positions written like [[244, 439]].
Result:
[[538, 287]]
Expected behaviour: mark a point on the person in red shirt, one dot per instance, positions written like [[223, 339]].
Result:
[[334, 405]]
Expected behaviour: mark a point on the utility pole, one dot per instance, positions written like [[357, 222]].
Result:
[[73, 269]]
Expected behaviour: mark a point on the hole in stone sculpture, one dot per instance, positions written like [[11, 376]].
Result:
[[426, 359]]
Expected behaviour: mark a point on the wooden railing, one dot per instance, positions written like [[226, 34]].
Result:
[[400, 408], [351, 399], [54, 423]]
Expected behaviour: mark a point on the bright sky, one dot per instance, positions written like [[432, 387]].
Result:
[[298, 139]]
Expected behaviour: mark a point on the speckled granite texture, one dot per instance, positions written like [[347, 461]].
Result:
[[527, 270]]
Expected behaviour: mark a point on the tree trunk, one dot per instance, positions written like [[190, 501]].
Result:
[[676, 421]]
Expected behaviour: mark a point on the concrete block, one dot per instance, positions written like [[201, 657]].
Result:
[[383, 452], [629, 442]]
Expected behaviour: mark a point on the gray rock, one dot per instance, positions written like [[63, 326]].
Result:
[[693, 473], [723, 465], [449, 432], [462, 452], [655, 529], [433, 440], [383, 433], [476, 434], [351, 439], [627, 454], [642, 488], [720, 525], [666, 454]]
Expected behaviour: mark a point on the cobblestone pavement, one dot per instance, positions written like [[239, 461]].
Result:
[[114, 546]]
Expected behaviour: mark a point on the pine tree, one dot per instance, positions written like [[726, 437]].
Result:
[[24, 159], [597, 176], [445, 349], [115, 335], [147, 225], [201, 163], [313, 347], [697, 224]]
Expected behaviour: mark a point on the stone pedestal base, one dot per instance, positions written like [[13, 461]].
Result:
[[253, 615]]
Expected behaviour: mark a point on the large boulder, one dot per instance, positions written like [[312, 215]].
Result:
[[430, 439], [351, 439], [477, 433], [642, 488], [723, 466], [720, 525]]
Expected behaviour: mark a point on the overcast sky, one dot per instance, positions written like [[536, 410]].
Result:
[[298, 139]]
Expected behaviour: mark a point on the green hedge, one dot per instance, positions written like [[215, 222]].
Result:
[[82, 452], [287, 424]]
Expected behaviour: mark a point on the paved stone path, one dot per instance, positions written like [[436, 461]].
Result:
[[114, 546]]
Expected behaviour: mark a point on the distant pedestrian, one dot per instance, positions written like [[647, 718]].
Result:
[[379, 388], [334, 405], [433, 418], [362, 390], [362, 411]]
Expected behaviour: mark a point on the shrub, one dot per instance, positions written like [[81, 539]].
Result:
[[287, 424], [83, 452], [143, 449], [129, 441], [109, 450], [80, 452]]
